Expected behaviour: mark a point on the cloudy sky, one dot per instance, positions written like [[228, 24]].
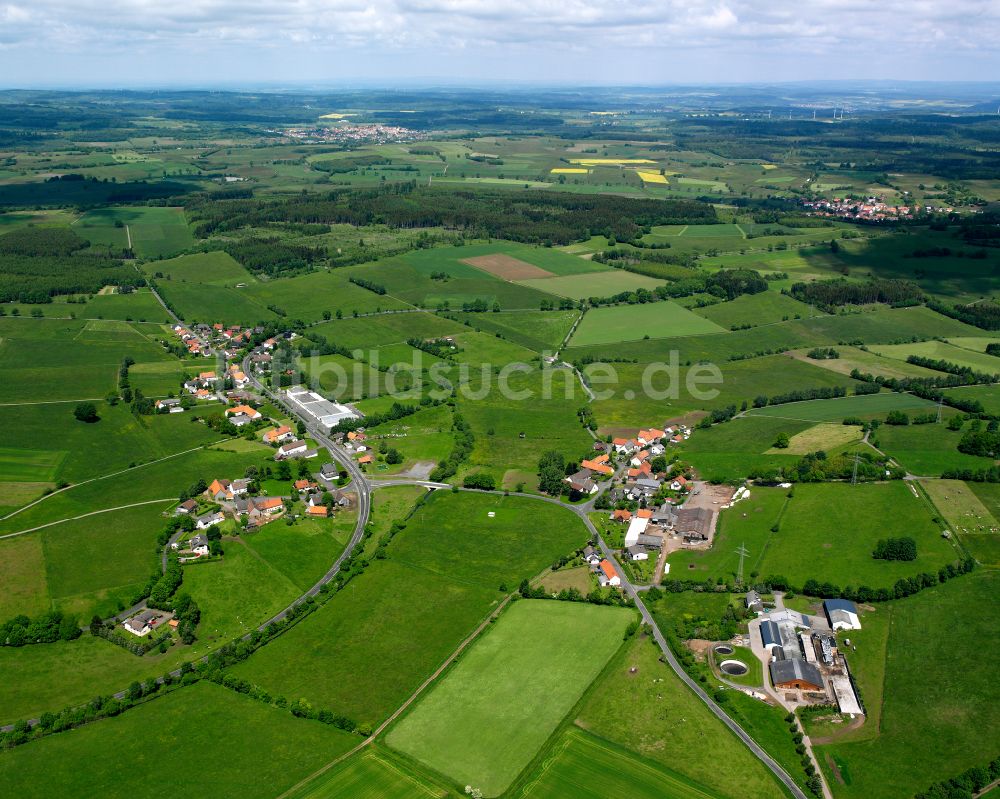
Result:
[[205, 42]]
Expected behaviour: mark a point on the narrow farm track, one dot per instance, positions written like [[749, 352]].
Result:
[[86, 515], [107, 476]]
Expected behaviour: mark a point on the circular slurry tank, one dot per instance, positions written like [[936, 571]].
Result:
[[734, 668], [723, 649]]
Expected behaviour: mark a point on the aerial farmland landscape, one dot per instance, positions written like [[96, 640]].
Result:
[[452, 400]]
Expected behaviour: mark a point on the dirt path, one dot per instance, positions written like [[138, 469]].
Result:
[[106, 476], [85, 515], [410, 700]]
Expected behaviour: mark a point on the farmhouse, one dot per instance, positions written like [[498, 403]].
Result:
[[169, 405], [842, 614], [591, 556], [606, 574], [797, 674], [187, 506], [327, 414], [208, 520], [637, 553], [293, 449], [199, 544], [261, 510], [599, 465], [244, 410], [581, 481], [279, 435], [622, 516], [142, 623], [753, 602], [304, 485], [220, 490]]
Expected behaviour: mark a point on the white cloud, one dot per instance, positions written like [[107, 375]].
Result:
[[438, 36]]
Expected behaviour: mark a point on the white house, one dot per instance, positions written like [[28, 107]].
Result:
[[209, 519], [199, 544], [606, 574], [637, 553], [291, 450]]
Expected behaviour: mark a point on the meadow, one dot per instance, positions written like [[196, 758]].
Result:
[[242, 734], [214, 268], [652, 714], [968, 517], [756, 309], [371, 774], [537, 330], [363, 652], [595, 284], [155, 231], [484, 722], [927, 449], [633, 322], [583, 766], [206, 303], [840, 408], [545, 417], [926, 697], [309, 296], [940, 350], [825, 532]]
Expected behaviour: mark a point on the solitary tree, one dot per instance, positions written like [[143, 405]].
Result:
[[86, 412]]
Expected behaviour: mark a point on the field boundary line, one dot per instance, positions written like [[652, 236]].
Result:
[[85, 515], [112, 474], [406, 704]]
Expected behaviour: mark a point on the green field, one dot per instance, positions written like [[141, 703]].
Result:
[[485, 721], [866, 361], [596, 284], [536, 330], [582, 766], [213, 268], [309, 296], [156, 231], [653, 714], [926, 698], [140, 305], [942, 351], [206, 303], [833, 410], [826, 532], [927, 449], [633, 322], [967, 515], [408, 278], [875, 327], [363, 652], [371, 774], [243, 735], [755, 309], [988, 395]]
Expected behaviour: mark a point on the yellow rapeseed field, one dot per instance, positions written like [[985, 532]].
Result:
[[649, 176], [610, 161], [570, 171]]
